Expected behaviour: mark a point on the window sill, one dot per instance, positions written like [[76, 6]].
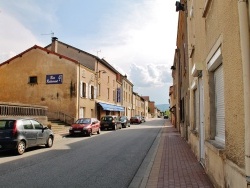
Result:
[[217, 147]]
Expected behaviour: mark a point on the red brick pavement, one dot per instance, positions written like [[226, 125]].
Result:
[[175, 165]]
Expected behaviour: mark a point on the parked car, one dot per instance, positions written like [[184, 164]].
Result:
[[110, 122], [19, 134], [124, 121], [135, 119], [85, 126], [165, 117]]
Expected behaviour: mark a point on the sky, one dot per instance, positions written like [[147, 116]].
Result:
[[137, 37]]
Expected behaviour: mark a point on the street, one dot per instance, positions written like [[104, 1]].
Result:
[[110, 159]]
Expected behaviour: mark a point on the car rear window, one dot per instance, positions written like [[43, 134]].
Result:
[[84, 121], [107, 118], [6, 124]]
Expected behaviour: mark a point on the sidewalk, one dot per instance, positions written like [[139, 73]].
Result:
[[175, 165]]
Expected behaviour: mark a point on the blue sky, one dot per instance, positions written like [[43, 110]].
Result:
[[137, 37]]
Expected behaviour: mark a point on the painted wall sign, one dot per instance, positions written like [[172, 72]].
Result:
[[54, 79]]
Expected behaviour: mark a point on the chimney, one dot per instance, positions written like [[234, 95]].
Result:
[[54, 44]]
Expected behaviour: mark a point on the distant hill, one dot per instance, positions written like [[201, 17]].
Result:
[[163, 107]]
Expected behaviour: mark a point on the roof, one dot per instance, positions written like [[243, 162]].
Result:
[[40, 48]]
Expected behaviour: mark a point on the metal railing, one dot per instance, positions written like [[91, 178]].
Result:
[[13, 109], [61, 116], [23, 111]]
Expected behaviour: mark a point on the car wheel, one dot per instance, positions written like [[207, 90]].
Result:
[[21, 147], [99, 131], [49, 143], [90, 133]]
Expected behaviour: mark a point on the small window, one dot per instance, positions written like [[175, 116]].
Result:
[[27, 124], [33, 80], [37, 124]]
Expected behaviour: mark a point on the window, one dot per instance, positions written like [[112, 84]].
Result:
[[36, 124], [33, 80], [83, 89], [92, 92], [182, 110], [99, 89], [216, 86], [27, 124], [108, 93]]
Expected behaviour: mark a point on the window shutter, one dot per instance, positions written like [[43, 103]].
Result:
[[95, 92], [89, 92], [219, 104], [87, 87], [81, 90]]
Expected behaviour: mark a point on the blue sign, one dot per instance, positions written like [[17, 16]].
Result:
[[54, 79]]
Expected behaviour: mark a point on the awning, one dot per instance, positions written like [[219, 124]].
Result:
[[111, 107]]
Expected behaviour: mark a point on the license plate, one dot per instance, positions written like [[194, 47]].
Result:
[[77, 131], [106, 125]]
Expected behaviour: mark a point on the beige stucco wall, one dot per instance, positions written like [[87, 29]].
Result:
[[221, 25], [232, 68], [15, 75], [107, 83], [127, 89]]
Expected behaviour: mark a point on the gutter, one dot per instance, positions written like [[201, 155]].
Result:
[[245, 49]]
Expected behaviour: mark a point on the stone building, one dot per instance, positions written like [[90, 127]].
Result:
[[219, 76]]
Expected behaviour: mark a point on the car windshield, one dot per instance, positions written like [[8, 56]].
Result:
[[6, 124], [107, 118], [83, 121]]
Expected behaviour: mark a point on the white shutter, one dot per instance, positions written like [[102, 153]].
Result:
[[89, 91], [81, 89], [219, 104], [87, 87], [95, 92], [196, 99]]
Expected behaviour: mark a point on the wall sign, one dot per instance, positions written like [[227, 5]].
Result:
[[54, 79]]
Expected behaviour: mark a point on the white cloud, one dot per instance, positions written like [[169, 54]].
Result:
[[16, 38], [138, 39], [145, 40]]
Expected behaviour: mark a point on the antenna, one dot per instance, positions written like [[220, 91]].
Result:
[[52, 34], [98, 52]]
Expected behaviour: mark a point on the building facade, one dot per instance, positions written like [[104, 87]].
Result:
[[219, 76]]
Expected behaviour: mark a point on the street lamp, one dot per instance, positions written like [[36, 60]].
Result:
[[100, 71]]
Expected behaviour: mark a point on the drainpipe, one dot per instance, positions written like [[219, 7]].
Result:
[[245, 48]]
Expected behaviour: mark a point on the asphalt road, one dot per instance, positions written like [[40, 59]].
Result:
[[111, 159]]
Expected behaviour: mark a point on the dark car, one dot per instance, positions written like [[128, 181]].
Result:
[[135, 119], [124, 121], [85, 126], [110, 122], [19, 134], [165, 117]]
